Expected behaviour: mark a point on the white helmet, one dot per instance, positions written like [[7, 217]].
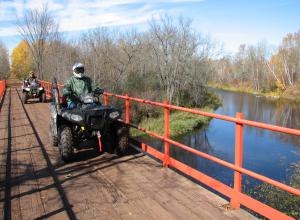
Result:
[[78, 70]]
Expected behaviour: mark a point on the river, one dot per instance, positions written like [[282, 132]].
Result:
[[268, 153]]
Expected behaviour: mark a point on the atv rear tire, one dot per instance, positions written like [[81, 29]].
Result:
[[65, 143], [122, 141], [24, 97]]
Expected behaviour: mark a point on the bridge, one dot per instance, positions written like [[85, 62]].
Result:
[[146, 184]]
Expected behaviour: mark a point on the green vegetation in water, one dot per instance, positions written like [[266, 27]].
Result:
[[180, 123], [279, 199]]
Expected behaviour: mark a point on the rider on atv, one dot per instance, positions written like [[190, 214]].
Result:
[[32, 89], [31, 78], [85, 118], [78, 85]]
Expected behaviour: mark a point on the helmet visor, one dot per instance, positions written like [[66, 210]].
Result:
[[79, 70]]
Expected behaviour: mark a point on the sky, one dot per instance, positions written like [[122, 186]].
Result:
[[231, 22]]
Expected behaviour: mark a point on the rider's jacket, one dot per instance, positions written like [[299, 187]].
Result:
[[74, 87], [31, 80]]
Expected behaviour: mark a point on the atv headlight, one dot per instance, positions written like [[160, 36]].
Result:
[[27, 89], [41, 88], [76, 117], [114, 115], [88, 100]]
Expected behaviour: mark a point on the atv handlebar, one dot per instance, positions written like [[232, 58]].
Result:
[[98, 91]]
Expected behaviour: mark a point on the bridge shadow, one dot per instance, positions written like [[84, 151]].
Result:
[[88, 150], [87, 158], [2, 100], [16, 136], [61, 169], [50, 167], [7, 181], [63, 173], [86, 162], [36, 100]]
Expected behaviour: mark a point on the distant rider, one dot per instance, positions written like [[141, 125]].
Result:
[[78, 85], [31, 78]]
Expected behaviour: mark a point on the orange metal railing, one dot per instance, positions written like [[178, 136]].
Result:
[[48, 88], [2, 89], [237, 197]]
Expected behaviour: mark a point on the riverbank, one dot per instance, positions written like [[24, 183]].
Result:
[[241, 89], [180, 123]]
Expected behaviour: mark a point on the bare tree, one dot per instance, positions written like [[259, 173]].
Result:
[[38, 28], [175, 46], [172, 45], [255, 65], [59, 59], [247, 68], [111, 56], [4, 61]]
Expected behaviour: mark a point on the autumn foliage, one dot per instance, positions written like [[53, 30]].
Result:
[[285, 63], [21, 60], [261, 67]]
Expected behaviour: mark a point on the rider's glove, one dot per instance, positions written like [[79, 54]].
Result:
[[67, 93], [98, 91]]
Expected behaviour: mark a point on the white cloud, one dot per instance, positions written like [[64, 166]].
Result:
[[101, 14], [9, 10], [8, 31], [84, 14]]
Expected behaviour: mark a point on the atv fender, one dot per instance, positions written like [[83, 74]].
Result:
[[53, 122]]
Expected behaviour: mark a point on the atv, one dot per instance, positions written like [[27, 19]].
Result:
[[32, 90], [90, 120]]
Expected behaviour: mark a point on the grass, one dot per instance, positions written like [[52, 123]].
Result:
[[180, 123]]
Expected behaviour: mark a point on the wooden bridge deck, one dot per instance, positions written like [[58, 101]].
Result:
[[35, 185]]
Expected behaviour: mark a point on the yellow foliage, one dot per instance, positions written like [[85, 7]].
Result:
[[279, 86], [277, 61], [21, 60]]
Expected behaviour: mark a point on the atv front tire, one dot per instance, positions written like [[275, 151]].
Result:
[[53, 138], [65, 143], [24, 97], [43, 97]]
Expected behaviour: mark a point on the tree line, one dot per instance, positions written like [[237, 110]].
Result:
[[170, 60], [4, 61], [260, 67]]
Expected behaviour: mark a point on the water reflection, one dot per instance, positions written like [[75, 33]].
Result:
[[257, 108], [265, 152]]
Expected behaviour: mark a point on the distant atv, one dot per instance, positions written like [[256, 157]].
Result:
[[90, 120], [32, 90]]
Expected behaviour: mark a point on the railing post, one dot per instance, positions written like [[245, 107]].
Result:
[[51, 90], [127, 113], [105, 96], [59, 93], [166, 161], [48, 89], [238, 161], [2, 89]]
